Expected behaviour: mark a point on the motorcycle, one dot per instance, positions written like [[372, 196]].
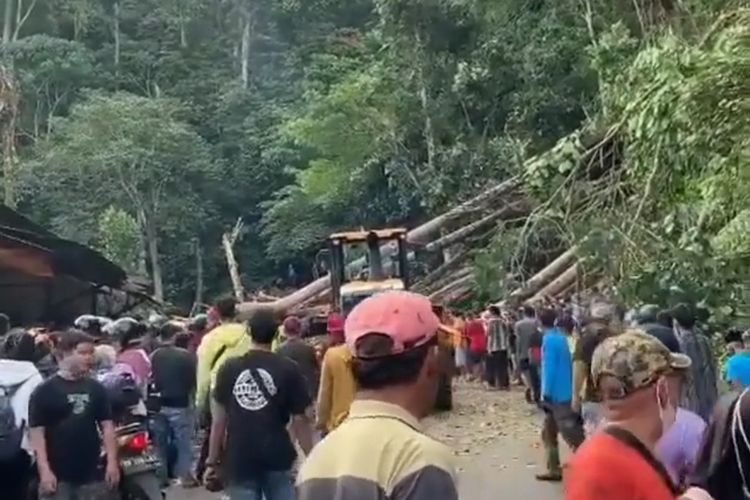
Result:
[[139, 464]]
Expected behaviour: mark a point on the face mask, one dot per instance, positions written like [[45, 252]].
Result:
[[667, 411], [73, 365]]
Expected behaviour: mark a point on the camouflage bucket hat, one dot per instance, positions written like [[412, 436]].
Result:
[[636, 359]]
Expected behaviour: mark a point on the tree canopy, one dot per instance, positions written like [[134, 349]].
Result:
[[145, 127]]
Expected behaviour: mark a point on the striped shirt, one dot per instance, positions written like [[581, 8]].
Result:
[[378, 452]]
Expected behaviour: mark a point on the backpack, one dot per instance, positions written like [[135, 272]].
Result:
[[11, 435], [122, 387]]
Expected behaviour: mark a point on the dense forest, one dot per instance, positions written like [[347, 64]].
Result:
[[149, 128]]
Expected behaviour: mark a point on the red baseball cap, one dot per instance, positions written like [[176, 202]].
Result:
[[335, 323], [406, 318]]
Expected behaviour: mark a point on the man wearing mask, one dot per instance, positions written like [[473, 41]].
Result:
[[631, 372]]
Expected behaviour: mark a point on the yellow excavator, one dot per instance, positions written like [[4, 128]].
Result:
[[350, 287]]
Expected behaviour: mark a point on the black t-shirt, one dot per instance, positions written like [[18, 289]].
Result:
[[260, 392], [173, 374], [304, 355], [70, 412], [665, 335]]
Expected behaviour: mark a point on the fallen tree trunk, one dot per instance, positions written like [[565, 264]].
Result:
[[418, 235], [512, 210], [557, 285], [441, 271], [422, 233], [545, 276], [447, 279], [453, 286]]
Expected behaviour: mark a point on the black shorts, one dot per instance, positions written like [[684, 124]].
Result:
[[475, 358]]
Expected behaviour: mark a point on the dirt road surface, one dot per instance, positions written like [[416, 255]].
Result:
[[495, 436]]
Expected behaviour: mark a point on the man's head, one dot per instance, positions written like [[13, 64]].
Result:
[[18, 345], [169, 331], [393, 339], [602, 312], [75, 353], [494, 311], [198, 324], [664, 318], [292, 327], [566, 323], [226, 308], [528, 311], [335, 328], [263, 326], [647, 314], [683, 316], [638, 380], [547, 317]]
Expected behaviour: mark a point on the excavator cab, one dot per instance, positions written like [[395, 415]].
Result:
[[385, 255]]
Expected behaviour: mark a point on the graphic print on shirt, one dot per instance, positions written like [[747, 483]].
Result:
[[78, 403], [248, 394]]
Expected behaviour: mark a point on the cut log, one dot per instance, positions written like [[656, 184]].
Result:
[[453, 286], [545, 276], [557, 285], [515, 209], [448, 279], [423, 233], [442, 270]]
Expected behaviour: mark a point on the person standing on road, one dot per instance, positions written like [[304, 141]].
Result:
[[301, 353], [66, 414], [631, 372], [255, 397], [678, 448], [477, 347], [527, 333], [380, 450], [701, 389], [337, 388], [557, 393], [585, 399], [18, 379], [228, 339], [173, 380], [496, 363]]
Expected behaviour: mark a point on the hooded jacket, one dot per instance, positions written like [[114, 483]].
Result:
[[226, 341], [21, 377]]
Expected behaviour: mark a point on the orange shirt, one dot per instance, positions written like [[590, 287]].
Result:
[[604, 467]]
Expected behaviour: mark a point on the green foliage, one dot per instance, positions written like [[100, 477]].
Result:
[[119, 238], [382, 112]]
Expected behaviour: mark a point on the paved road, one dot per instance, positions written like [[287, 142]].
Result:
[[494, 436]]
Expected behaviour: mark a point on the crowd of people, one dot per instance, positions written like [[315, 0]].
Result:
[[637, 397]]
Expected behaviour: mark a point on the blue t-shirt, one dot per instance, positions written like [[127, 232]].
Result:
[[557, 367], [738, 368]]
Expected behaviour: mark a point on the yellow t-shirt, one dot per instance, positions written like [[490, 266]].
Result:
[[337, 387]]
